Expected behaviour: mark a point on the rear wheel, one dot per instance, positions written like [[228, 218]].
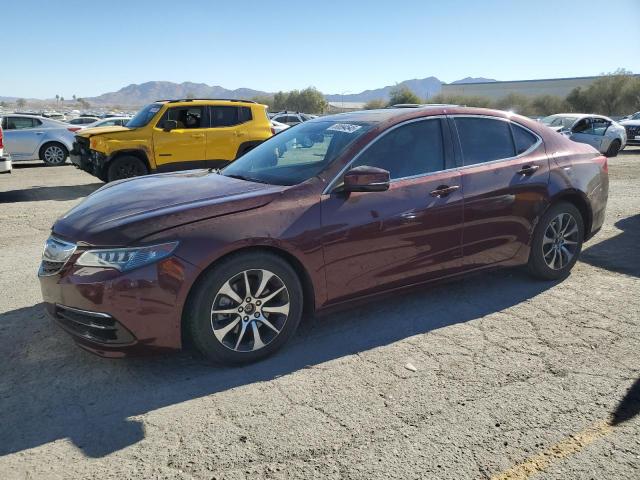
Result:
[[126, 167], [245, 309], [613, 149], [557, 242], [53, 153]]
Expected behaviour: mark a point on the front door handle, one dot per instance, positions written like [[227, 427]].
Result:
[[528, 170], [444, 190], [241, 134], [197, 135]]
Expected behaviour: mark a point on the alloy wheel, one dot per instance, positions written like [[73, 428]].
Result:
[[54, 155], [250, 310], [560, 241]]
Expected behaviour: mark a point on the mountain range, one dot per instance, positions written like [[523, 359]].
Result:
[[143, 93], [140, 94]]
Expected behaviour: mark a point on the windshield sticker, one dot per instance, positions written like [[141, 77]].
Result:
[[154, 109], [344, 127]]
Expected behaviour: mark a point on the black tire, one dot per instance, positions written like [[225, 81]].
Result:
[[613, 149], [200, 320], [538, 262], [126, 166], [53, 154]]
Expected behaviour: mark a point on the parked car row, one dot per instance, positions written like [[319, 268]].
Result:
[[5, 159], [632, 127], [321, 215]]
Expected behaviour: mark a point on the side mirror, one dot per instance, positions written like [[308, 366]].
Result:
[[170, 125], [366, 179]]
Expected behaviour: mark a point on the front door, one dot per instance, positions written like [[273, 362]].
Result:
[[186, 143], [591, 131], [504, 177], [408, 234]]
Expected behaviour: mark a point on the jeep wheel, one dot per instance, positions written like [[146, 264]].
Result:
[[126, 167]]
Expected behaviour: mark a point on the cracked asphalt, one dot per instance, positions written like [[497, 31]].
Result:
[[514, 378]]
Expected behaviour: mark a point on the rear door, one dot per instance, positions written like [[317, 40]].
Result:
[[183, 144], [22, 136], [225, 133], [407, 234], [505, 174]]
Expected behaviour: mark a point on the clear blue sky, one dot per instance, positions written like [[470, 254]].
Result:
[[91, 47]]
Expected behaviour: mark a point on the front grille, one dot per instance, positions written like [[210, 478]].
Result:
[[81, 146], [632, 130], [92, 326]]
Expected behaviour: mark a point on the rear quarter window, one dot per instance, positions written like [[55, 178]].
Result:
[[524, 139]]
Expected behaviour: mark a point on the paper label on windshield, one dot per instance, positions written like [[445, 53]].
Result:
[[344, 127]]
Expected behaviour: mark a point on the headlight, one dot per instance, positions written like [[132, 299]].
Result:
[[125, 259]]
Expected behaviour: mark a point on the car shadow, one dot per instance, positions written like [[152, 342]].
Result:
[[629, 407], [39, 194], [630, 150], [19, 165], [619, 253], [50, 389]]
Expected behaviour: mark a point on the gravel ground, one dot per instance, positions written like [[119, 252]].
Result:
[[513, 378]]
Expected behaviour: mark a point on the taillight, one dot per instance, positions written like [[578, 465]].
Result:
[[604, 163], [273, 131], [73, 129], [1, 144]]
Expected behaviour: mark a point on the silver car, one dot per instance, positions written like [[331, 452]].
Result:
[[604, 134], [29, 137]]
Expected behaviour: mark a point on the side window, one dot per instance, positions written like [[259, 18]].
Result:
[[523, 138], [245, 114], [484, 139], [224, 116], [582, 126], [19, 123], [186, 117], [599, 126], [413, 149]]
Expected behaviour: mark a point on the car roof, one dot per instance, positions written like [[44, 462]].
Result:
[[400, 114], [208, 101]]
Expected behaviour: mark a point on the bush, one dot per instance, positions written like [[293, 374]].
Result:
[[374, 104], [309, 100], [401, 94]]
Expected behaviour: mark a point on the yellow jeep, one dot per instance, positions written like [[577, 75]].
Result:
[[173, 135]]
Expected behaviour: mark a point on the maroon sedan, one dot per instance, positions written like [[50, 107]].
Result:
[[327, 212]]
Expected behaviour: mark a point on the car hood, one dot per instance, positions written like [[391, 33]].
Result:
[[90, 131], [122, 212]]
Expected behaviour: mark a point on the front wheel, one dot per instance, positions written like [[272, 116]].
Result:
[[613, 149], [557, 242], [245, 308], [126, 167], [53, 154]]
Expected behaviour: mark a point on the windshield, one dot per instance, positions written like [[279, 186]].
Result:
[[144, 116], [298, 153], [559, 121]]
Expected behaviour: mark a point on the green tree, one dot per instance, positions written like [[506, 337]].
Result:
[[61, 99], [548, 105], [57, 97], [4, 104], [74, 97], [402, 94], [264, 100], [309, 100], [21, 103], [374, 104], [514, 102]]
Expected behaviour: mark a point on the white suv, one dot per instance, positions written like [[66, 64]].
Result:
[[292, 118], [5, 159]]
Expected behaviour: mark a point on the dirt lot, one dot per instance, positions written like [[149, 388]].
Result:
[[514, 377]]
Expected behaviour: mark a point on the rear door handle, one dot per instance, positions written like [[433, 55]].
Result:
[[443, 190], [528, 170], [39, 133], [241, 134]]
